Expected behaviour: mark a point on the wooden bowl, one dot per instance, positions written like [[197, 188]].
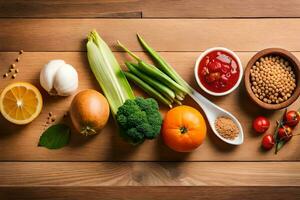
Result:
[[296, 68]]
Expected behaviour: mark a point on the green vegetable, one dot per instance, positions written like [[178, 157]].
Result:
[[55, 137], [148, 89], [163, 65], [108, 72], [155, 73], [164, 90], [139, 119]]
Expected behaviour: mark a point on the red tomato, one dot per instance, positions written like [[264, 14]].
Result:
[[268, 142], [261, 124], [285, 133], [292, 118]]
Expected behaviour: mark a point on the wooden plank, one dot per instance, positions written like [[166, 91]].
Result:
[[31, 174], [221, 8], [238, 35], [149, 9], [20, 142], [149, 193], [67, 9]]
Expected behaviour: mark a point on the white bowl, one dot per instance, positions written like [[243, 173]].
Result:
[[239, 63]]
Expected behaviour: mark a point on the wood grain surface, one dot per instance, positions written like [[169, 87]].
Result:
[[104, 166], [162, 34], [108, 146], [150, 193], [149, 9], [271, 174]]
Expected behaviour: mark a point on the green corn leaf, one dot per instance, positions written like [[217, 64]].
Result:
[[108, 72]]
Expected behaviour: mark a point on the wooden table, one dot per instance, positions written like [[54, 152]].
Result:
[[105, 167]]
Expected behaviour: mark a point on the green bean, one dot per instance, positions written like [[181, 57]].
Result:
[[155, 73], [163, 65], [164, 90], [148, 89]]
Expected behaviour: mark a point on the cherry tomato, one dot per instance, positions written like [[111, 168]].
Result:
[[268, 142], [285, 133], [292, 118], [261, 124]]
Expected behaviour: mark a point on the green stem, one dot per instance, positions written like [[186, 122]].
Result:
[[129, 52], [148, 89], [164, 90]]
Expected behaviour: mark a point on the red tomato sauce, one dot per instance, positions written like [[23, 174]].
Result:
[[218, 71]]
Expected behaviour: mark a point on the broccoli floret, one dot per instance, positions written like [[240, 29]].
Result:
[[136, 118], [139, 119], [146, 104], [134, 136], [122, 120], [128, 108]]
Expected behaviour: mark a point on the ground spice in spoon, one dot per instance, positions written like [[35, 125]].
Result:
[[226, 128]]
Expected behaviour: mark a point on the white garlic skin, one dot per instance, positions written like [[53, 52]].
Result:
[[59, 78]]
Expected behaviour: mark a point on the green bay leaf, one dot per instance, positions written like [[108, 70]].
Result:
[[55, 137]]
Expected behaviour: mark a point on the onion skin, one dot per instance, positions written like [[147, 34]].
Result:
[[89, 112]]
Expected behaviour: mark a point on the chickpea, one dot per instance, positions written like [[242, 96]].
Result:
[[265, 100], [272, 79]]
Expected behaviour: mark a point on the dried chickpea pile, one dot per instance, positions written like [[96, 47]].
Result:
[[272, 79]]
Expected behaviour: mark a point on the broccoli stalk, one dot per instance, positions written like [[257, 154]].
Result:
[[139, 119]]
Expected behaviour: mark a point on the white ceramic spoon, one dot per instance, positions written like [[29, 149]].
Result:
[[212, 111]]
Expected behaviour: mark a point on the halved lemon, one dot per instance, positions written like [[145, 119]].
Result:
[[20, 103]]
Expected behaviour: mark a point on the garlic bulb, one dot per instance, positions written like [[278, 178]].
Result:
[[59, 78]]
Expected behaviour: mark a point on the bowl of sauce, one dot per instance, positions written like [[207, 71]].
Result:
[[218, 71]]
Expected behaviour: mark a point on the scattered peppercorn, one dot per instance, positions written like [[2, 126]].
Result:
[[12, 66], [14, 76], [5, 75], [272, 79], [18, 59], [16, 70], [21, 51]]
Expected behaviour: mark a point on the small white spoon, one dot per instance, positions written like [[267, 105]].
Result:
[[212, 112]]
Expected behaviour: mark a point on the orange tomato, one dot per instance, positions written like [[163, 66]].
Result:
[[184, 129]]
